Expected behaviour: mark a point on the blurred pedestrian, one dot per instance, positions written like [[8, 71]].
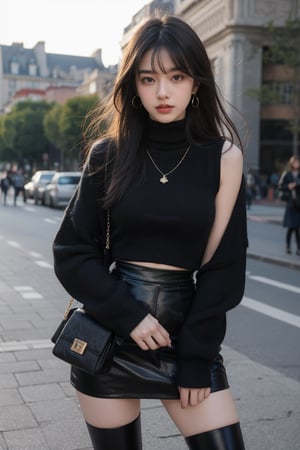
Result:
[[289, 188], [172, 179], [5, 183], [273, 182], [18, 184]]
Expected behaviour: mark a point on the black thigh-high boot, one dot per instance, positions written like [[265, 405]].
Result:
[[127, 437], [226, 438]]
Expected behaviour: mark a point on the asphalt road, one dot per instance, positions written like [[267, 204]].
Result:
[[267, 334]]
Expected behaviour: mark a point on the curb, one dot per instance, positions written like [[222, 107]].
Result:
[[275, 260], [264, 219]]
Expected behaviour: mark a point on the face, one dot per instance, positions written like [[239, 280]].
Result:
[[164, 95], [296, 164]]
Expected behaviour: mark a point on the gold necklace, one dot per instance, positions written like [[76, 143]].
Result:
[[164, 179]]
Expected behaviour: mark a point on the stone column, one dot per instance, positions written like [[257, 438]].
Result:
[[241, 73]]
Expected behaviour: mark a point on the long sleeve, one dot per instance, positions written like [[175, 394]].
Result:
[[284, 181], [219, 287], [79, 261], [285, 194]]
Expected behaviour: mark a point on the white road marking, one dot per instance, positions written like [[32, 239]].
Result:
[[44, 264], [28, 292], [40, 262], [14, 244], [35, 255], [13, 346], [29, 209], [31, 295], [50, 221], [278, 284], [23, 288], [271, 311]]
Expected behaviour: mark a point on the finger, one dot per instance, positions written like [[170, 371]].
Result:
[[155, 331], [158, 329], [201, 396], [143, 329], [206, 392], [184, 397], [166, 337], [194, 397], [139, 340], [151, 342], [142, 344], [162, 340], [149, 333]]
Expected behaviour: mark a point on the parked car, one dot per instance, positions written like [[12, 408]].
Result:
[[60, 190], [36, 186]]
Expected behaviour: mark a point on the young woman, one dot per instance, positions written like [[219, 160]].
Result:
[[289, 186], [174, 189]]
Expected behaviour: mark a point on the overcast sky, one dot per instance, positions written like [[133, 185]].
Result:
[[75, 27]]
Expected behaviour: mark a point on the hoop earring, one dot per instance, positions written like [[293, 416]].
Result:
[[136, 102], [195, 102]]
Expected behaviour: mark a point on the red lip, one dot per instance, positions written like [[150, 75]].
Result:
[[164, 108]]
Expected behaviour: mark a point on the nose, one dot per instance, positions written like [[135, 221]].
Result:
[[162, 90]]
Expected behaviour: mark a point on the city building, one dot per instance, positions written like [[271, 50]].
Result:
[[156, 7], [33, 73], [235, 36]]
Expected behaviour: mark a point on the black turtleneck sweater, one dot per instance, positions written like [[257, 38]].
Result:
[[162, 223], [168, 223]]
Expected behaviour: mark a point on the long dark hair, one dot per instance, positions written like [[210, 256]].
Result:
[[125, 123]]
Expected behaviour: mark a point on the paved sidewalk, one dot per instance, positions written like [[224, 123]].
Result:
[[38, 409], [39, 412]]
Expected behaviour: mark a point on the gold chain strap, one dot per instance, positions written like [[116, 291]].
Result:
[[68, 309], [107, 241], [107, 247]]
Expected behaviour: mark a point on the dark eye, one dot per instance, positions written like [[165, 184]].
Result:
[[147, 80], [178, 77]]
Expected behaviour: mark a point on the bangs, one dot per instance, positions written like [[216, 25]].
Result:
[[157, 59]]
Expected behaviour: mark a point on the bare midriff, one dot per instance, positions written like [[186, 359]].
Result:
[[155, 265]]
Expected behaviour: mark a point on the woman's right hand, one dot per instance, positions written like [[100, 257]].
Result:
[[292, 185], [149, 334]]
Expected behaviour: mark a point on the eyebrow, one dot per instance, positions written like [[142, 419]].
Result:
[[150, 71]]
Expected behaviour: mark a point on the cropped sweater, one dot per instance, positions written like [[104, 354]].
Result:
[[162, 223]]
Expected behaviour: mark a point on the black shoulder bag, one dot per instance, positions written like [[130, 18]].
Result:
[[82, 341]]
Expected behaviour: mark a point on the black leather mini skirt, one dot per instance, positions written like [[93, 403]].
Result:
[[135, 373]]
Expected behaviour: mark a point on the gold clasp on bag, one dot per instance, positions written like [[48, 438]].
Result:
[[79, 346]]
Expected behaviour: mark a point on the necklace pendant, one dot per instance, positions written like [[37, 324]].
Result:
[[164, 179]]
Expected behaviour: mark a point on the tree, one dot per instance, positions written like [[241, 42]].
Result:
[[6, 138], [22, 132], [52, 130], [73, 119], [31, 129]]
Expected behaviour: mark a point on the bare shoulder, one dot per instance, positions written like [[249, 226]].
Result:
[[231, 152], [231, 162]]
